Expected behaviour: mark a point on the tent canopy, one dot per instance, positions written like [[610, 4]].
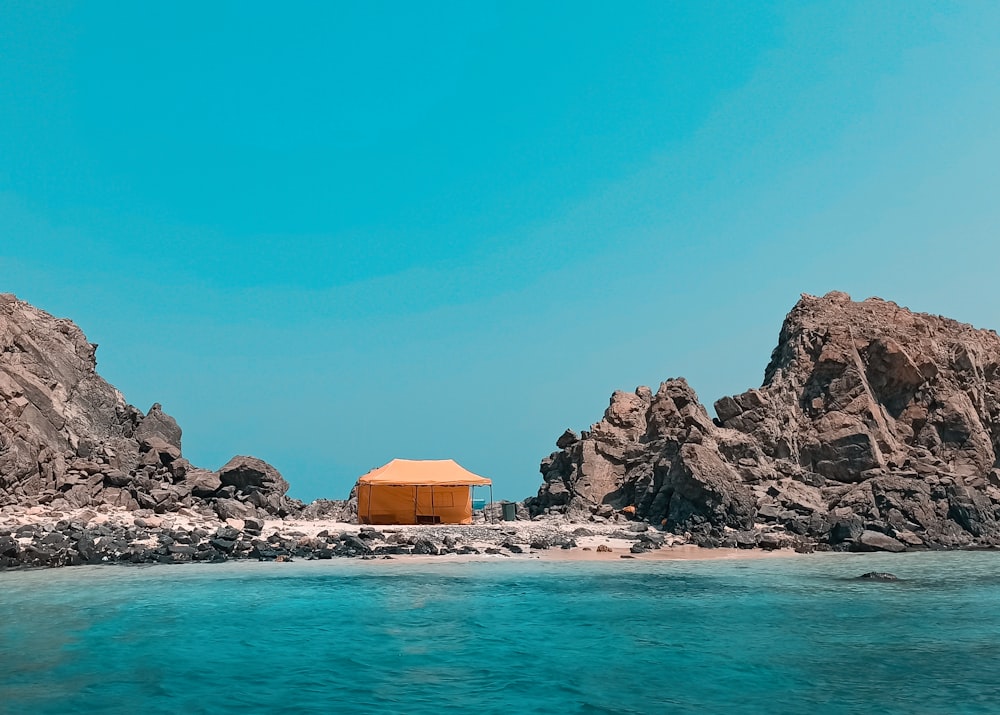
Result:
[[410, 491], [423, 472]]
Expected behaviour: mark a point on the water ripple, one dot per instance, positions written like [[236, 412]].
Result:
[[775, 636]]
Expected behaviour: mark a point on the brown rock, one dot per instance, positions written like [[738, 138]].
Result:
[[869, 413], [876, 541], [159, 425], [68, 438], [203, 483]]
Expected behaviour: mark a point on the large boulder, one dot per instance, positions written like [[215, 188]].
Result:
[[159, 425], [260, 484], [249, 474], [706, 490]]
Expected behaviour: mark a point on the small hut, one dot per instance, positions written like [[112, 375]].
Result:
[[418, 491]]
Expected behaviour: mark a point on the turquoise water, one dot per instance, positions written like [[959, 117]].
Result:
[[796, 635]]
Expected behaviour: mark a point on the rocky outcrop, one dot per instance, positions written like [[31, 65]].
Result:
[[875, 428], [657, 455], [68, 439]]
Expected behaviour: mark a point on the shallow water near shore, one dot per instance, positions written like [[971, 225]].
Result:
[[787, 635]]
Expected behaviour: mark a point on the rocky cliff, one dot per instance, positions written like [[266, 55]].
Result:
[[69, 439], [875, 428]]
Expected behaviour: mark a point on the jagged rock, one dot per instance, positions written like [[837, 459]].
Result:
[[202, 482], [53, 405], [233, 509], [253, 525], [249, 474], [158, 452], [160, 426], [869, 414], [69, 438], [568, 438]]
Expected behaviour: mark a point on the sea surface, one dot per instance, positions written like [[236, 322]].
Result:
[[781, 635]]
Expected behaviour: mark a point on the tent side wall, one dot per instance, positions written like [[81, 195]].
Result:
[[401, 504]]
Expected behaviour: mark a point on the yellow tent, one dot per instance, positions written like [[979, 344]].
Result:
[[417, 491]]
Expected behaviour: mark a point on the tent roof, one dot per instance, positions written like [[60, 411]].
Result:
[[423, 472]]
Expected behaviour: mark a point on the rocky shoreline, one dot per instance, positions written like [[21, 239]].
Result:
[[35, 537], [875, 429]]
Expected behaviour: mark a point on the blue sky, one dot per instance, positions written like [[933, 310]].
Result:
[[331, 234]]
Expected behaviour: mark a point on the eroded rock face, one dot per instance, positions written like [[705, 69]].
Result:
[[658, 453], [871, 420], [68, 437]]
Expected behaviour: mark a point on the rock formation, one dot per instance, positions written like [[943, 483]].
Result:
[[875, 428], [69, 439]]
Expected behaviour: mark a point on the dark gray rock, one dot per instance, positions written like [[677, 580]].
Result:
[[8, 546], [249, 474], [224, 545], [426, 547], [355, 546], [567, 439], [846, 529], [652, 538], [878, 576], [253, 525]]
